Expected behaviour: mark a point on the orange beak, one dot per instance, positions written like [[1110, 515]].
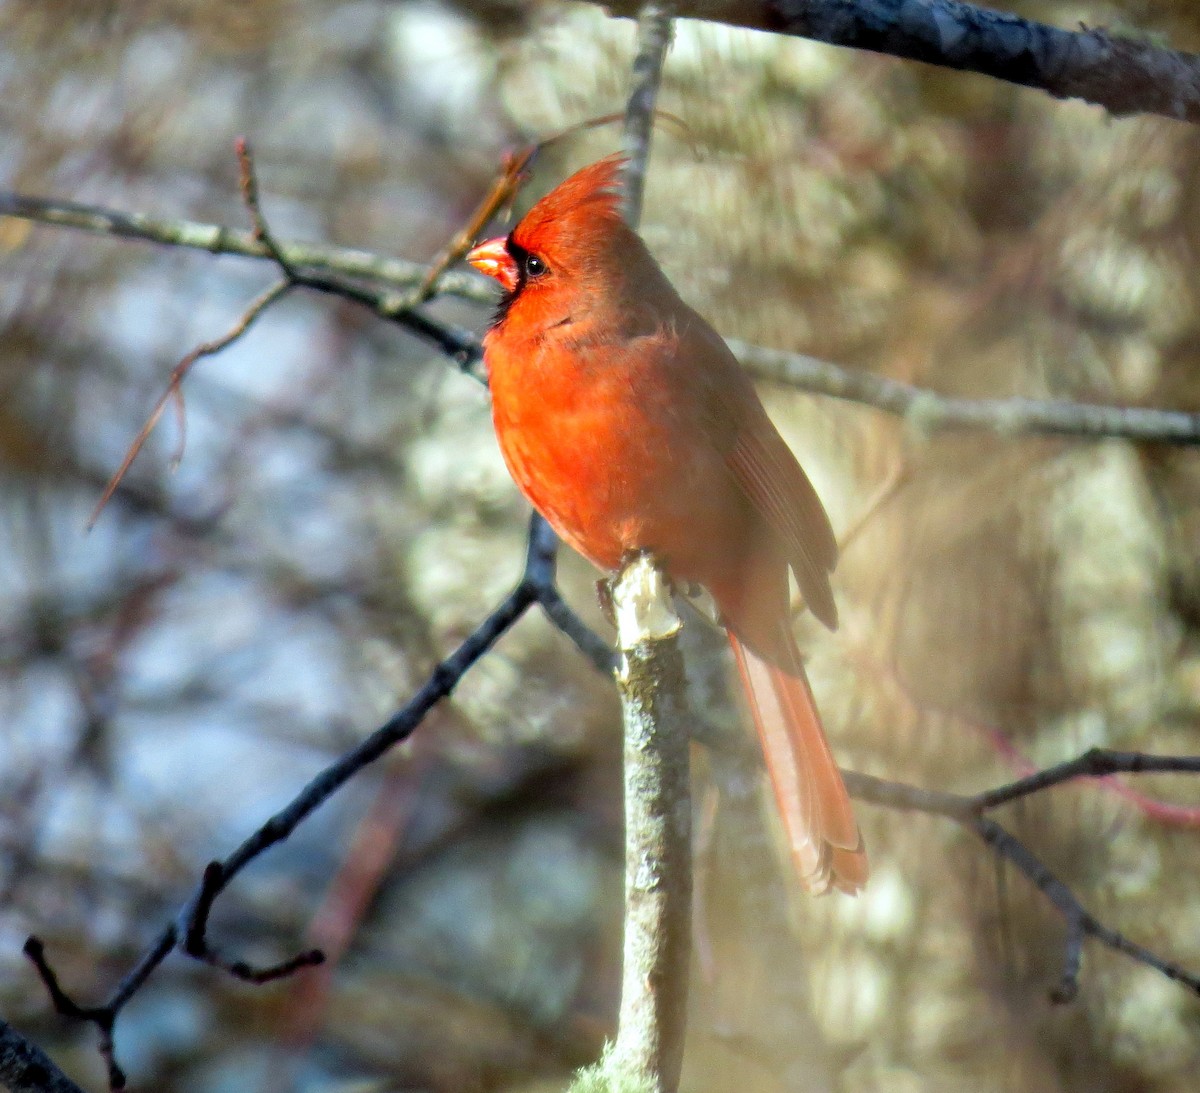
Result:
[[493, 259]]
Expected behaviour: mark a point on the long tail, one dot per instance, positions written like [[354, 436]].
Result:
[[826, 845]]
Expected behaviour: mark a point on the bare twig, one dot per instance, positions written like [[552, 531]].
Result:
[[103, 1017], [500, 195], [1124, 75], [174, 393], [248, 183], [196, 943], [1094, 763]]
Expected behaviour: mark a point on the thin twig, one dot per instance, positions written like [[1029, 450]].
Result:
[[174, 392], [197, 946], [1094, 763], [103, 1017], [248, 183]]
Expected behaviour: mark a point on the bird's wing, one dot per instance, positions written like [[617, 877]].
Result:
[[763, 466]]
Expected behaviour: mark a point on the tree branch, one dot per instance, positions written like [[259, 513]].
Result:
[[26, 1068], [1124, 75], [189, 929], [648, 1050], [396, 273], [340, 272], [928, 411], [968, 811]]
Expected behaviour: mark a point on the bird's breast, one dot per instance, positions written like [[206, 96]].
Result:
[[597, 444]]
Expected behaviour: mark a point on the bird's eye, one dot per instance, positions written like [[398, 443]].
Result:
[[534, 266]]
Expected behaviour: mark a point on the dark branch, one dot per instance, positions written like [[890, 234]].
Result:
[[539, 575], [654, 39], [103, 1017], [968, 811], [1124, 75], [26, 1068], [1095, 763]]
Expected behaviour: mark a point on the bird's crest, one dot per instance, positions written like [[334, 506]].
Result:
[[593, 193]]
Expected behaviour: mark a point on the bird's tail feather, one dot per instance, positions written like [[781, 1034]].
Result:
[[826, 845]]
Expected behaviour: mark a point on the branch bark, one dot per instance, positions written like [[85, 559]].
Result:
[[658, 835], [1124, 75], [928, 411], [26, 1068], [189, 929]]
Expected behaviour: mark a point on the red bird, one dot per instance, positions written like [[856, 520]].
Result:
[[627, 423]]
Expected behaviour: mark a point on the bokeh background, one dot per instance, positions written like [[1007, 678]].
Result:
[[341, 518]]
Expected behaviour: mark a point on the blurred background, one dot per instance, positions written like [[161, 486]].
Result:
[[341, 519]]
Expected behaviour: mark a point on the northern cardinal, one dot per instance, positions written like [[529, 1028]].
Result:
[[627, 422]]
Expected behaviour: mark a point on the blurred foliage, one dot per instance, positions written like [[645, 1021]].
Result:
[[341, 518]]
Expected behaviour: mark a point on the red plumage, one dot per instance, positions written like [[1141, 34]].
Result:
[[629, 425]]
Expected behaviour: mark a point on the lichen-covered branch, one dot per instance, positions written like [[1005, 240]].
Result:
[[397, 273], [927, 411], [658, 856]]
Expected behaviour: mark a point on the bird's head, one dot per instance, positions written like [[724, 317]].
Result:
[[563, 242]]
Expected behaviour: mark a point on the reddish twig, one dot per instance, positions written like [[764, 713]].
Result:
[[513, 172], [174, 392], [248, 184]]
